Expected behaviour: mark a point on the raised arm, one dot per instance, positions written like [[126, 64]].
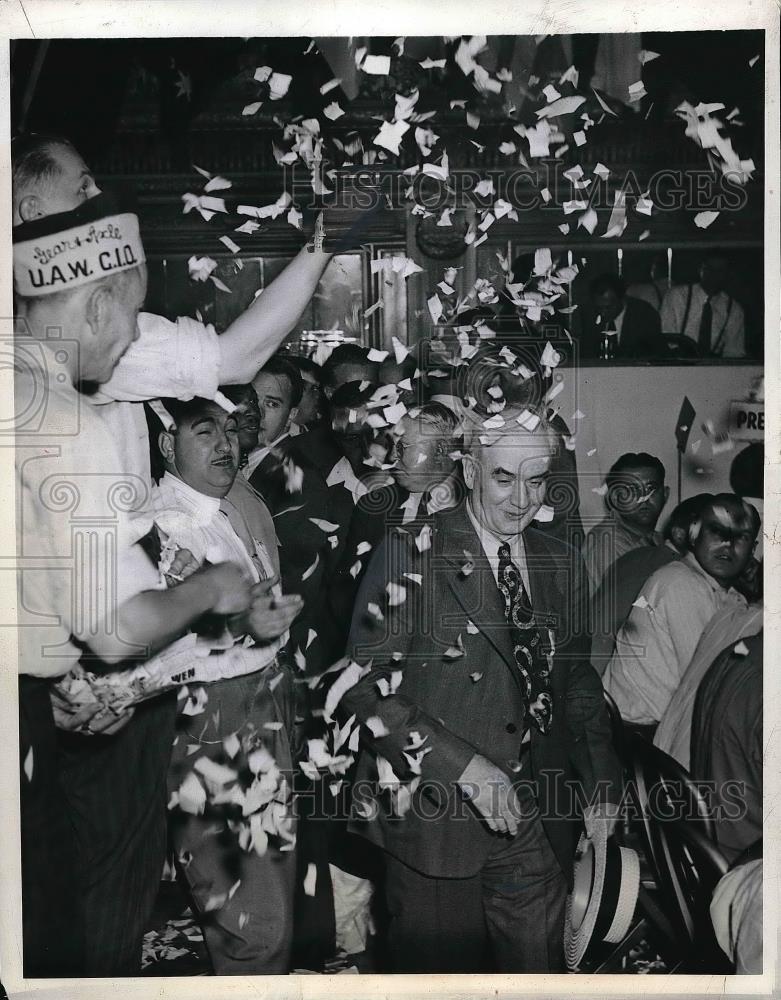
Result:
[[251, 339]]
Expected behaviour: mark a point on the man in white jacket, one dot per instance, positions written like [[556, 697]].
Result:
[[234, 845]]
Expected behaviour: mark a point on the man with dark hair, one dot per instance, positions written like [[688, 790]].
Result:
[[247, 416], [278, 389], [402, 375], [250, 931], [425, 479], [636, 495], [705, 313], [348, 363], [629, 327], [311, 409], [656, 643], [624, 579], [653, 290], [301, 504]]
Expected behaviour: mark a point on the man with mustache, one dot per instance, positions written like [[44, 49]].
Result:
[[247, 926]]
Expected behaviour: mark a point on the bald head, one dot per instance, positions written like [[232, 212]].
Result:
[[48, 176]]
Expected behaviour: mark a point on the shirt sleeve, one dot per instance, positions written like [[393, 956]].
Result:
[[655, 645], [75, 502], [178, 359]]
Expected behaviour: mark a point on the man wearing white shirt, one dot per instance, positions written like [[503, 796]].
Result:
[[656, 644], [73, 494], [250, 931], [706, 313], [178, 359]]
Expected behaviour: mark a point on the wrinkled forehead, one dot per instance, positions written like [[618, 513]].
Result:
[[518, 453]]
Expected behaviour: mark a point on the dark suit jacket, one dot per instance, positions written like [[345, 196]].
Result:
[[640, 333], [472, 703], [727, 745], [378, 509], [302, 543]]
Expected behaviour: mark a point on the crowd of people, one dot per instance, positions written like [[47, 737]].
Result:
[[324, 631]]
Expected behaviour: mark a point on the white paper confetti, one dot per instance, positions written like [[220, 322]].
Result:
[[704, 219], [310, 879]]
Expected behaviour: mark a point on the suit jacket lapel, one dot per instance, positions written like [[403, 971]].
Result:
[[547, 577]]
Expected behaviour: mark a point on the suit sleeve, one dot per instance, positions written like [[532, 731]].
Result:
[[379, 641]]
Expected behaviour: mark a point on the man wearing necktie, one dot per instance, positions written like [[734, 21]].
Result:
[[242, 893], [619, 326], [706, 313], [483, 722]]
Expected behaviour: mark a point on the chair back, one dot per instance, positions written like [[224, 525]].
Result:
[[677, 825]]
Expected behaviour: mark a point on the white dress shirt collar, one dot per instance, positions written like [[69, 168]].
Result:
[[257, 455], [201, 507], [491, 544]]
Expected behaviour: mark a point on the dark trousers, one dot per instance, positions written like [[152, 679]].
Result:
[[116, 794], [248, 928], [507, 918], [52, 930], [314, 921]]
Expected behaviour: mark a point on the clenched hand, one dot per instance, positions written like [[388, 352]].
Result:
[[491, 793]]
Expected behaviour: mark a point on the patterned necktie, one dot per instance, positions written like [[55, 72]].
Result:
[[532, 649], [706, 324]]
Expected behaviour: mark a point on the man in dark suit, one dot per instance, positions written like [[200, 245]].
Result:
[[425, 479], [483, 721], [630, 327]]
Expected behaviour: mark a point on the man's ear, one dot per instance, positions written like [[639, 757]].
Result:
[[98, 311], [165, 442], [30, 208], [292, 417], [469, 465], [666, 493]]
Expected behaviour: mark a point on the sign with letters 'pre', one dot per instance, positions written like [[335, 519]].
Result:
[[747, 420], [85, 253]]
